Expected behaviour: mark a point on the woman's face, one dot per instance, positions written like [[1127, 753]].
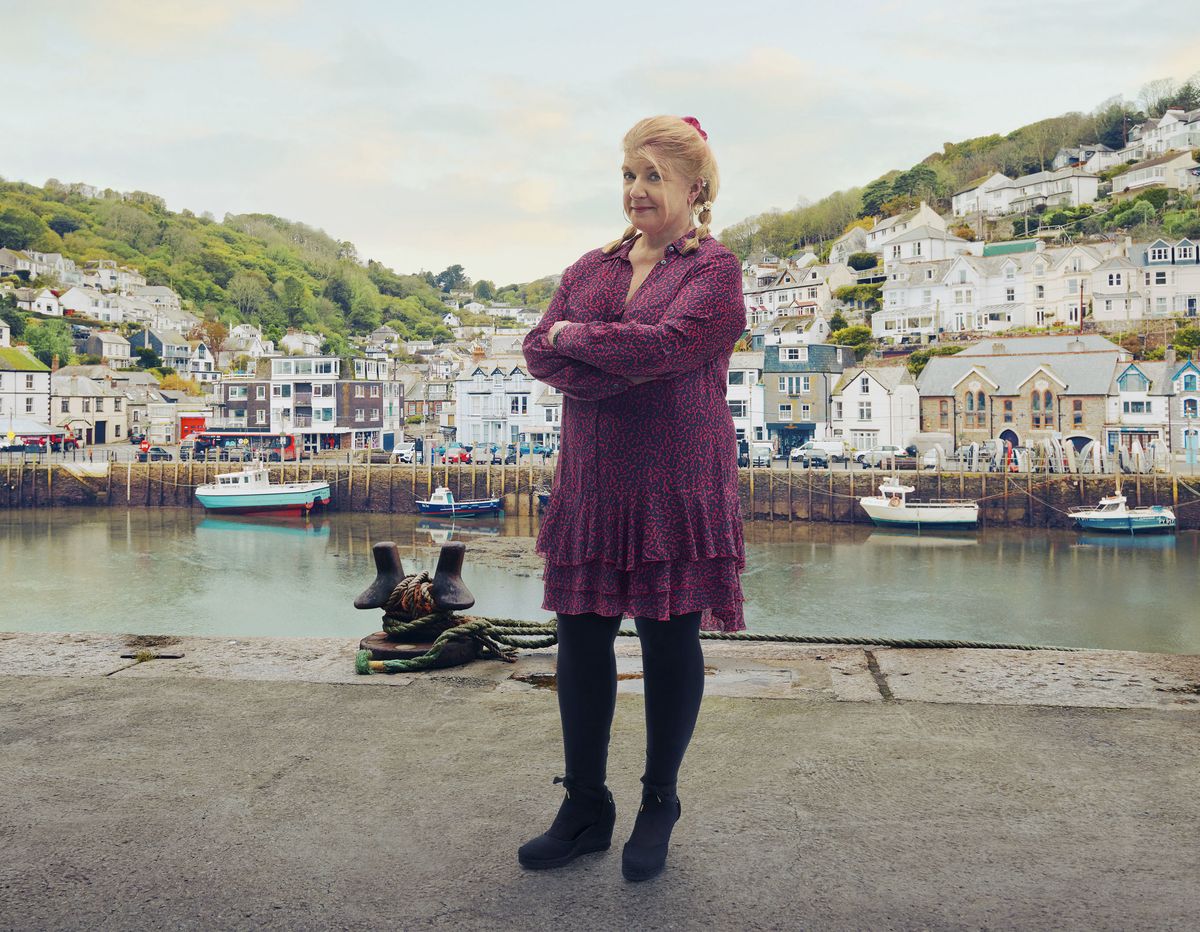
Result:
[[656, 204]]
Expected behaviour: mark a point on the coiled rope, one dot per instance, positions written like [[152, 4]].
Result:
[[410, 615]]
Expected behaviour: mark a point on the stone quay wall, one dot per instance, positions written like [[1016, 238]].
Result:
[[1006, 499]]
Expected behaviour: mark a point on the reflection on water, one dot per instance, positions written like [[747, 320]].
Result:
[[179, 571]]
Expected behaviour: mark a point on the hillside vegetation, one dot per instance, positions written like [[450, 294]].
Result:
[[253, 268], [936, 178]]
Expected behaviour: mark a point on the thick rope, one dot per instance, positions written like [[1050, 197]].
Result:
[[500, 638]]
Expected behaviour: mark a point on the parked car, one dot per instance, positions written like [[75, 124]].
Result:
[[233, 455], [154, 454], [138, 438], [457, 454]]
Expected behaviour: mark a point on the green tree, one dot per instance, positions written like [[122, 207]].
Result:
[[10, 314], [20, 228], [856, 336], [1187, 339], [147, 358], [485, 290], [452, 278], [861, 261], [874, 195], [837, 322], [49, 339]]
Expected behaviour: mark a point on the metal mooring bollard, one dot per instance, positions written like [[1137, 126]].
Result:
[[448, 591]]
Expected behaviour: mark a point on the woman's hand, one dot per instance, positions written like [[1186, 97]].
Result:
[[554, 330]]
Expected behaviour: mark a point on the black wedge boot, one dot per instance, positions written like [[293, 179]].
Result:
[[584, 823], [645, 854]]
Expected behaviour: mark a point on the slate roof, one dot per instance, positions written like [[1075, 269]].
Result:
[[1156, 372], [925, 231], [1040, 345], [1083, 373]]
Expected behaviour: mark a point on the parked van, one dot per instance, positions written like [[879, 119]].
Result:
[[187, 449], [822, 449], [760, 453]]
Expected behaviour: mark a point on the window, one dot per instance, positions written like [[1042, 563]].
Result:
[[963, 296], [358, 414], [1189, 382], [260, 392], [793, 384], [1039, 291], [795, 353], [737, 408], [864, 410], [552, 415], [1010, 294], [87, 404], [282, 391], [1184, 252], [1008, 411], [928, 274], [837, 410], [1114, 278], [236, 392], [66, 406], [29, 383], [785, 412], [28, 405], [1160, 278], [737, 378], [1077, 412], [806, 384], [864, 385], [518, 404], [360, 391], [374, 391], [260, 416], [1160, 254], [1189, 407], [943, 414], [805, 412]]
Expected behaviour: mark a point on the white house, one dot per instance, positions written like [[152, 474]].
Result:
[[1116, 291], [1184, 418], [887, 228], [1137, 407], [201, 366], [301, 343], [876, 406], [158, 295], [495, 404], [1170, 277], [997, 194], [89, 302], [793, 291], [451, 321], [852, 241], [45, 302], [112, 348], [24, 386], [1175, 129], [1175, 170], [745, 395], [926, 243], [1093, 157]]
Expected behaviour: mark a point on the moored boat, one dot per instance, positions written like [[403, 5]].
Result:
[[250, 491], [893, 508], [442, 502], [1113, 514]]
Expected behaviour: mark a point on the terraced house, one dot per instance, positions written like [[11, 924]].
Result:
[[798, 382]]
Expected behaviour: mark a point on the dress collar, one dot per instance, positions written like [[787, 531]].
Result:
[[623, 251]]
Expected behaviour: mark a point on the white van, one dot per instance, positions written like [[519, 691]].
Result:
[[831, 449], [760, 453]]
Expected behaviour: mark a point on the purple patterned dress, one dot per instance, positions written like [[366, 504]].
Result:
[[645, 518]]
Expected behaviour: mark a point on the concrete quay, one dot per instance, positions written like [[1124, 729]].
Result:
[[258, 783]]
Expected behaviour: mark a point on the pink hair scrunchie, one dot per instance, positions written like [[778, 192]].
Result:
[[693, 122]]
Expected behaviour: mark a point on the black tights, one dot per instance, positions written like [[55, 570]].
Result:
[[673, 669]]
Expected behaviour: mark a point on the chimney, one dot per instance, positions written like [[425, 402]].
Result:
[[1075, 346], [1169, 357], [999, 349], [54, 363]]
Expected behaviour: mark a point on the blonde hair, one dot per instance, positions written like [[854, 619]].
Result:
[[672, 145]]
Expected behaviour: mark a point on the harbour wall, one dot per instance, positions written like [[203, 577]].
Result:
[[1006, 499]]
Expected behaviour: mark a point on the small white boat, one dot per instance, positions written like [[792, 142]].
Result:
[[1112, 514], [250, 491], [442, 503], [893, 508]]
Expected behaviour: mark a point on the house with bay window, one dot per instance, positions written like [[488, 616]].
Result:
[[1184, 417], [1138, 406], [499, 402], [744, 395], [798, 382]]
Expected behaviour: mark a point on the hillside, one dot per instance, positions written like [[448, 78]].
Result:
[[936, 178], [253, 268]]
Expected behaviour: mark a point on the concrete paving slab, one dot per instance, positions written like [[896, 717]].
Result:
[[190, 803], [1098, 679]]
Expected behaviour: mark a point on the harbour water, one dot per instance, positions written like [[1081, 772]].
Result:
[[178, 571]]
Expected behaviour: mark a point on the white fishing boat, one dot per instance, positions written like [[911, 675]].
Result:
[[1113, 514], [893, 508], [250, 491]]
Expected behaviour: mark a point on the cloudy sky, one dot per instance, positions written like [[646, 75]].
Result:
[[488, 133]]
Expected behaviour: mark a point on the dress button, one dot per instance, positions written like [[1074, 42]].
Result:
[[662, 262]]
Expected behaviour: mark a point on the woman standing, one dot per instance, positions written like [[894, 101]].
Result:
[[645, 519]]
